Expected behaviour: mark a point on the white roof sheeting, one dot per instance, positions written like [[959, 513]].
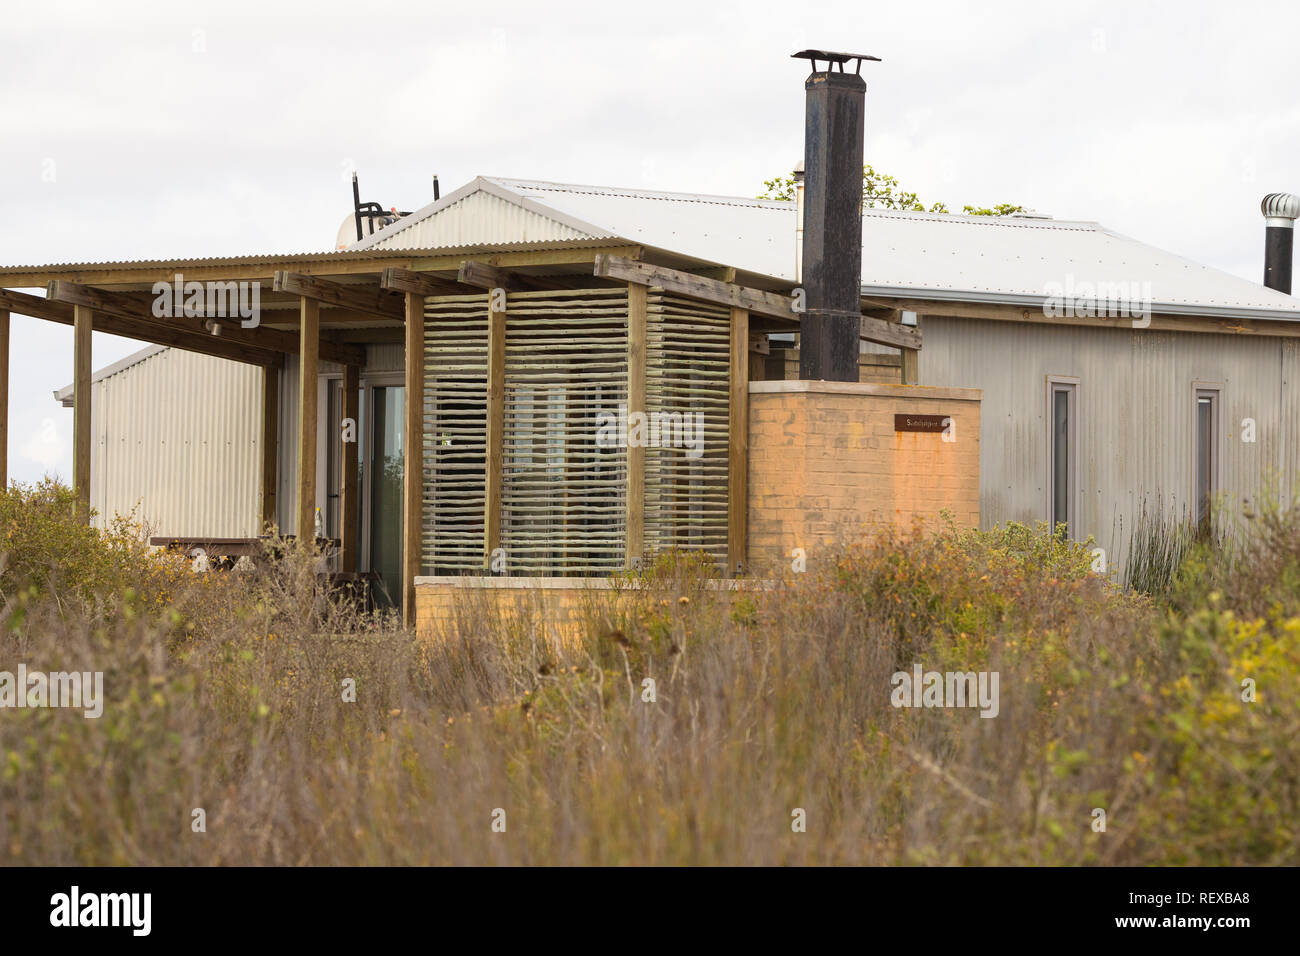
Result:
[[984, 259]]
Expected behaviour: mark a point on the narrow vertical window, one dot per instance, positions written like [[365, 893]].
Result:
[[1207, 455], [1062, 414], [333, 457]]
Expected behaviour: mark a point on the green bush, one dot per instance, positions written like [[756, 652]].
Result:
[[229, 696]]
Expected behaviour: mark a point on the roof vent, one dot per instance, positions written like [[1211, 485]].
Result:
[[1280, 213], [1284, 207]]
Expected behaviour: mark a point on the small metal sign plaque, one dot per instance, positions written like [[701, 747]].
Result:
[[920, 423]]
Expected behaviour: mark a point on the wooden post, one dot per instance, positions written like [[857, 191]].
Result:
[[911, 366], [496, 423], [82, 324], [308, 354], [636, 373], [348, 475], [270, 447], [4, 400], [413, 468], [912, 362], [738, 430]]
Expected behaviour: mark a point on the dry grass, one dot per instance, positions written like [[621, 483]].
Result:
[[226, 693]]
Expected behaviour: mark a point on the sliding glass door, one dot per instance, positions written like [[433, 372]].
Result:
[[385, 466]]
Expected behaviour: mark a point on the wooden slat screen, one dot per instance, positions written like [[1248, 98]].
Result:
[[455, 432], [563, 496], [687, 362]]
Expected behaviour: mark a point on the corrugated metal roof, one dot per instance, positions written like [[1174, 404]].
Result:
[[200, 261], [987, 259], [354, 253], [983, 259]]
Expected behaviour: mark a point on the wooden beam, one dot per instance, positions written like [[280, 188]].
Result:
[[270, 447], [348, 489], [738, 455], [535, 257], [722, 273], [4, 400], [359, 298], [26, 304], [484, 276], [413, 469], [496, 419], [127, 306], [755, 301], [697, 287], [329, 315], [883, 332], [1160, 321], [81, 437], [200, 270], [61, 312], [637, 298], [382, 336], [308, 369], [418, 283]]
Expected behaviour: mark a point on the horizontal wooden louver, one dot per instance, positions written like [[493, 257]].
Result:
[[455, 432], [687, 362], [563, 494]]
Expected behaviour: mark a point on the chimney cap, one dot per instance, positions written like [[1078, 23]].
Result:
[[1280, 209], [829, 57]]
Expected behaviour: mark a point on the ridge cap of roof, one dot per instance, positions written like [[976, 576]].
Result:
[[635, 192]]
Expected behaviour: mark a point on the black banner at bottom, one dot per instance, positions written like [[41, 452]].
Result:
[[336, 906]]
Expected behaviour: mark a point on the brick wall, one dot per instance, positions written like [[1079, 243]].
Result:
[[824, 460], [461, 606], [447, 606]]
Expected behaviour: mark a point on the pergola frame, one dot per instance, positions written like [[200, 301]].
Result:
[[327, 307]]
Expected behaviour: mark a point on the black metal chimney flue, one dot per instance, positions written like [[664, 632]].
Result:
[[832, 234], [1280, 211]]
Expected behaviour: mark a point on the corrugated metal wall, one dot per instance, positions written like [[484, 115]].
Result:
[[178, 436], [1135, 414]]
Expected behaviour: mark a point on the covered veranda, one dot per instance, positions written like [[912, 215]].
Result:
[[511, 352]]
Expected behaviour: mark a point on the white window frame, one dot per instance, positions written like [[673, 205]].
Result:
[[1070, 384], [1215, 390]]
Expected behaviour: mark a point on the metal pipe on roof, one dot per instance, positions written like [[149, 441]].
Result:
[[832, 240], [1280, 212]]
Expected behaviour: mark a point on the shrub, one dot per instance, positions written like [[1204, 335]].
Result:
[[231, 697]]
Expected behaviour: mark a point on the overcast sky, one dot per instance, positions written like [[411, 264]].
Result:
[[157, 130]]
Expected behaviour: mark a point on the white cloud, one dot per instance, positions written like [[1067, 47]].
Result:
[[44, 446]]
